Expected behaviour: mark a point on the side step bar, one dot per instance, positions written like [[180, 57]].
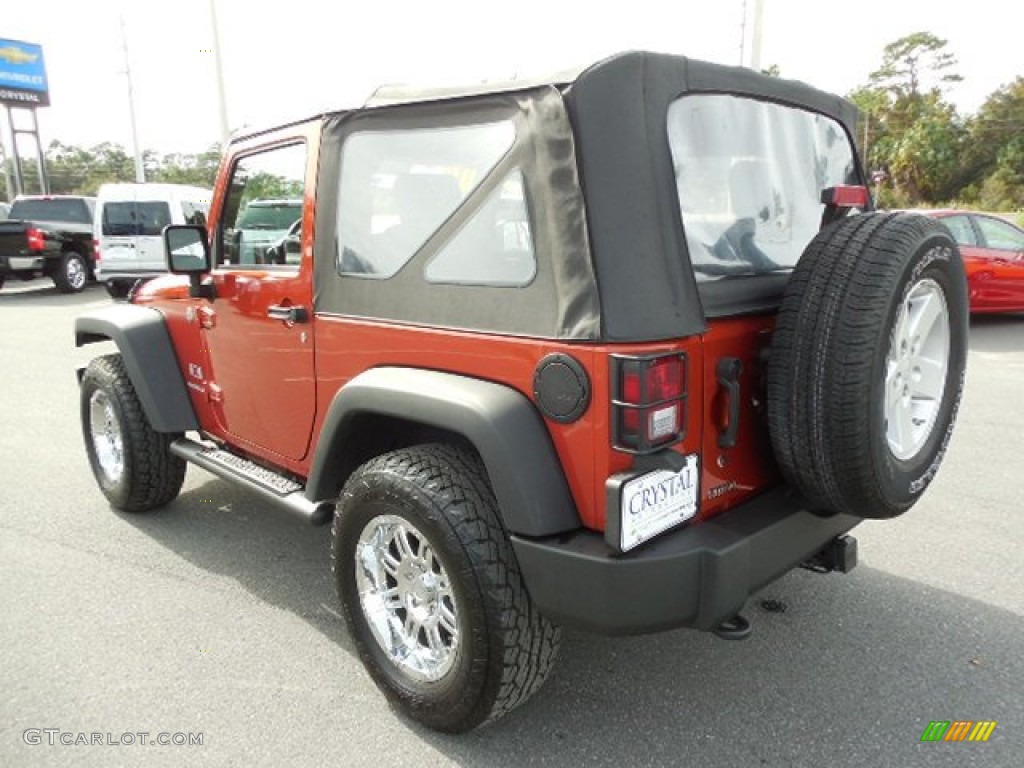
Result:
[[273, 487]]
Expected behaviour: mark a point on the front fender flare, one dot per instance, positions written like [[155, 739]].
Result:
[[144, 342], [500, 422]]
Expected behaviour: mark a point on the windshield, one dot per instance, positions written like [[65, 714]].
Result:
[[263, 215], [52, 209], [135, 218]]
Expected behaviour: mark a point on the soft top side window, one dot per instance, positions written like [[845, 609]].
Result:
[[749, 175], [398, 187], [263, 209]]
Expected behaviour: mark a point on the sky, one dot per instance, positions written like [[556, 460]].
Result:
[[291, 59]]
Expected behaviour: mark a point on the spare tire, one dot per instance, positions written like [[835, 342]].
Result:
[[867, 363]]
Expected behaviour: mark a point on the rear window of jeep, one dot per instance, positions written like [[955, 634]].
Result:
[[749, 175], [398, 188]]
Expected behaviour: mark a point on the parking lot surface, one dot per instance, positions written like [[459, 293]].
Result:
[[217, 616]]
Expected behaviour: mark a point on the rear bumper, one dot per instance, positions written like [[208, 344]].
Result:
[[695, 577], [15, 264]]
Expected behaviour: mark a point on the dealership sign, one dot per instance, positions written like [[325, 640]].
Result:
[[23, 74]]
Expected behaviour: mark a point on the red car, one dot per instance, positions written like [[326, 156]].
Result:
[[993, 251]]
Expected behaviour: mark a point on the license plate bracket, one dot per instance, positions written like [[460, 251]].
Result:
[[643, 506]]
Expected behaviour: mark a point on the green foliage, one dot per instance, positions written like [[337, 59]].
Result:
[[76, 170], [927, 151], [198, 170], [912, 61], [266, 186]]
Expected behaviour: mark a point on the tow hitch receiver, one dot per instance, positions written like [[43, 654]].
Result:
[[840, 554]]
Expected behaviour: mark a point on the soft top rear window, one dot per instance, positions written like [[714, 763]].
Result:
[[130, 218], [749, 176]]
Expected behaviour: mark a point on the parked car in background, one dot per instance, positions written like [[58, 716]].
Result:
[[263, 225], [129, 225], [48, 235], [993, 253]]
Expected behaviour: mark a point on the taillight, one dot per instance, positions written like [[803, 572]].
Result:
[[36, 239], [648, 402], [96, 250]]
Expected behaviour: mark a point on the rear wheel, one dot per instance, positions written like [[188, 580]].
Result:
[[132, 463], [867, 363], [432, 592], [72, 274]]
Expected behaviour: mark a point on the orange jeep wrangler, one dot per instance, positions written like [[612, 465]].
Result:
[[612, 350]]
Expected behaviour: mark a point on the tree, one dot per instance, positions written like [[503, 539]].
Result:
[[910, 132], [74, 170], [910, 62], [198, 170], [993, 161]]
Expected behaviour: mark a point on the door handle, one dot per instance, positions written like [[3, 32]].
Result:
[[728, 374], [288, 313]]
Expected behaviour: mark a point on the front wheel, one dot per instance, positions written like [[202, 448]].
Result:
[[132, 462], [432, 592], [72, 274]]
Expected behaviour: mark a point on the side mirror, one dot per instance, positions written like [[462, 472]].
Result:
[[188, 253]]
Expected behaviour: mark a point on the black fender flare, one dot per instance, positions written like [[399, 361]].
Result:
[[144, 342], [500, 422]]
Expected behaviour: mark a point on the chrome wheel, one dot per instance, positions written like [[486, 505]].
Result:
[[407, 598], [916, 368], [74, 271], [105, 430]]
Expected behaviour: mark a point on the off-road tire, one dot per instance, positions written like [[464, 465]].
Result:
[[72, 274], [834, 353], [506, 648], [149, 475]]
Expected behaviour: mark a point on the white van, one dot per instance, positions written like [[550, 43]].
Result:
[[129, 224]]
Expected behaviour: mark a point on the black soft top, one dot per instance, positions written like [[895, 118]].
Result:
[[617, 110]]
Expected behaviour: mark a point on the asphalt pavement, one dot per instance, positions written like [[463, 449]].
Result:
[[216, 619]]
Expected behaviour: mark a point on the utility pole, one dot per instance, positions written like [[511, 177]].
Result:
[[221, 101], [755, 43], [140, 169], [743, 35]]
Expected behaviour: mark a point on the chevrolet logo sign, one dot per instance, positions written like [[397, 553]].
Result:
[[12, 54]]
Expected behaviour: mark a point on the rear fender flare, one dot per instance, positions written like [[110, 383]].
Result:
[[501, 423]]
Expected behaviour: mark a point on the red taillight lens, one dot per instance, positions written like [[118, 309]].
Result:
[[649, 402], [665, 378], [846, 196], [96, 250], [36, 239]]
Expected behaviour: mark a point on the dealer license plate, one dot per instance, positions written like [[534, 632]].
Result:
[[657, 501]]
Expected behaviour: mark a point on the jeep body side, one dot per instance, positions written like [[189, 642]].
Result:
[[551, 311]]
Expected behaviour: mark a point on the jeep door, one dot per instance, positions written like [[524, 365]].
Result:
[[257, 331]]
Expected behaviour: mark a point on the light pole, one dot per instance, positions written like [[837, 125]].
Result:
[[756, 34], [221, 102], [140, 169], [755, 43]]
